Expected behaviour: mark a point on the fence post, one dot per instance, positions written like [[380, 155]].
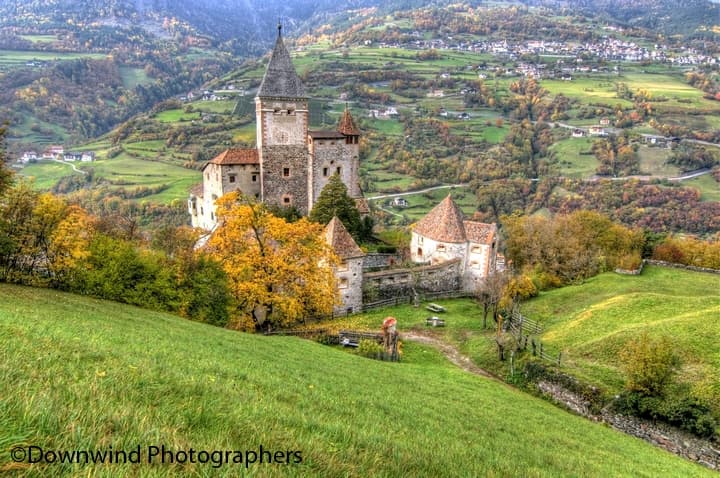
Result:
[[559, 357], [541, 350]]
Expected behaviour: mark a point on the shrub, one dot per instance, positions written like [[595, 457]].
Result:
[[687, 413], [649, 364], [370, 349]]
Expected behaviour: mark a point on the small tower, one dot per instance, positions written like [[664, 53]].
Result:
[[349, 273], [281, 110], [352, 150]]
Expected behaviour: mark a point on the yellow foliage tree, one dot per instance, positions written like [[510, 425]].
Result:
[[279, 272], [69, 243]]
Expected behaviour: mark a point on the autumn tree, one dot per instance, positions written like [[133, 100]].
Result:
[[278, 272], [649, 364]]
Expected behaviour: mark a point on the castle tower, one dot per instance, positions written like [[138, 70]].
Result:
[[352, 146], [335, 152], [281, 110]]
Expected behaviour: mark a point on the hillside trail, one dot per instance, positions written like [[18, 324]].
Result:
[[449, 351]]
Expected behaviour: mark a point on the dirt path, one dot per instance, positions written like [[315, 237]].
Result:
[[449, 351]]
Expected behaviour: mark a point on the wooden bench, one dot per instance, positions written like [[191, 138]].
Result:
[[435, 321], [351, 338], [435, 308]]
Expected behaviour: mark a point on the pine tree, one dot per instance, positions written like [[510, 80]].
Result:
[[335, 201]]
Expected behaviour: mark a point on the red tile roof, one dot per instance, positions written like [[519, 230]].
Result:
[[341, 241], [480, 233], [347, 124], [237, 156], [362, 206], [444, 223]]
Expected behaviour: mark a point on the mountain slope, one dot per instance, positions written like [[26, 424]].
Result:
[[79, 373]]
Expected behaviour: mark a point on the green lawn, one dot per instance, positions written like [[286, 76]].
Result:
[[572, 157], [13, 57], [591, 322], [46, 174], [174, 116], [83, 374], [708, 187], [134, 172]]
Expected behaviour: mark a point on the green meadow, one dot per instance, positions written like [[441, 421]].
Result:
[[591, 322], [84, 374], [15, 58]]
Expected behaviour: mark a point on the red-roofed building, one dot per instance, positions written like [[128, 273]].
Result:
[[231, 170], [444, 235]]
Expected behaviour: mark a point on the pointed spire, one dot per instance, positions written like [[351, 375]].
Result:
[[347, 124], [341, 241], [444, 223], [280, 78]]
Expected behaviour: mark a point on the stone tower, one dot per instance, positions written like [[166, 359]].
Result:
[[281, 110]]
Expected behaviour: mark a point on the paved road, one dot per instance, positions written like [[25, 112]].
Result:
[[71, 165], [420, 191]]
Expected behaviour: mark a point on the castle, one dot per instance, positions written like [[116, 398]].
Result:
[[291, 165]]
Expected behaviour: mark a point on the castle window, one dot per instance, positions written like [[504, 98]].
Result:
[[325, 172], [338, 170], [291, 111], [343, 283], [231, 178], [332, 142], [419, 251], [287, 200], [355, 140], [348, 139], [477, 250], [254, 178], [276, 111], [286, 172], [342, 267], [441, 247]]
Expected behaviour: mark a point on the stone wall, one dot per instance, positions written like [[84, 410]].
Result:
[[681, 266], [376, 260], [329, 156], [349, 274], [400, 282], [277, 187], [664, 436]]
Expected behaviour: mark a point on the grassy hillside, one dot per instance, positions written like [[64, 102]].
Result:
[[79, 373], [591, 322]]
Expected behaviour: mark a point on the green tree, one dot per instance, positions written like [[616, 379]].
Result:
[[335, 201], [5, 173]]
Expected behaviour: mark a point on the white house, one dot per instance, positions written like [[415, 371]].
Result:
[[444, 235]]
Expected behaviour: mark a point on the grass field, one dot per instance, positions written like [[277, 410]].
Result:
[[46, 174], [652, 161], [132, 77], [591, 322], [174, 116], [80, 374], [708, 187], [14, 58], [572, 163]]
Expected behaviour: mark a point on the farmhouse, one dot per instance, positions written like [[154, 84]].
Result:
[[291, 165], [443, 235]]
